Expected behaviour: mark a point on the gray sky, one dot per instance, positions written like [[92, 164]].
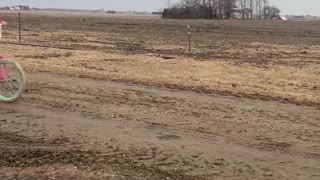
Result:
[[298, 7]]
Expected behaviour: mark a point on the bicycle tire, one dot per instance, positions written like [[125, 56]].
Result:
[[21, 85]]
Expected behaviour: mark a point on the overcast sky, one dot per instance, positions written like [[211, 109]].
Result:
[[298, 7]]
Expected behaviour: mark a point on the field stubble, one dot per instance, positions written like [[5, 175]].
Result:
[[265, 59], [208, 135]]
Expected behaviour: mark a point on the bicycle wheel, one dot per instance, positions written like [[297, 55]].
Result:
[[13, 82]]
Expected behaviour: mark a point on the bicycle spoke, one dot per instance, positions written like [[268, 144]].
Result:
[[12, 89], [9, 88]]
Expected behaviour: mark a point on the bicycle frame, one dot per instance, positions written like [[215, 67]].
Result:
[[4, 72]]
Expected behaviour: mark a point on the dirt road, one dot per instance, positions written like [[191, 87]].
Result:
[[76, 128]]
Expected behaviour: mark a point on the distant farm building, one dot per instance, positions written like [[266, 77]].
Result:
[[111, 12], [282, 18], [157, 13]]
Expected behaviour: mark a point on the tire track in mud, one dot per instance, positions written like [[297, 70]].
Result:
[[92, 161], [20, 151], [151, 155], [150, 100], [158, 128]]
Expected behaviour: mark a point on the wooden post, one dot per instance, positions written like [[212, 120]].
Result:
[[19, 27], [189, 40]]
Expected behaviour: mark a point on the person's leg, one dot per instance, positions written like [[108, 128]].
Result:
[[1, 74]]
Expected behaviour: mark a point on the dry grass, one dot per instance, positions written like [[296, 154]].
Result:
[[45, 55], [272, 80], [266, 59]]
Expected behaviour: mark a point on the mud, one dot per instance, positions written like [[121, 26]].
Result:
[[78, 128]]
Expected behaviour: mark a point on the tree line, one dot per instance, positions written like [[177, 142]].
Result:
[[221, 9], [17, 7]]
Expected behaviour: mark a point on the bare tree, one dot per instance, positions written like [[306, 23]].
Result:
[[272, 12], [220, 9], [265, 4], [257, 4], [242, 4], [260, 6]]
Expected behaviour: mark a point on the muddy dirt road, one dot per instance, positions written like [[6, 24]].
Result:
[[77, 128]]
